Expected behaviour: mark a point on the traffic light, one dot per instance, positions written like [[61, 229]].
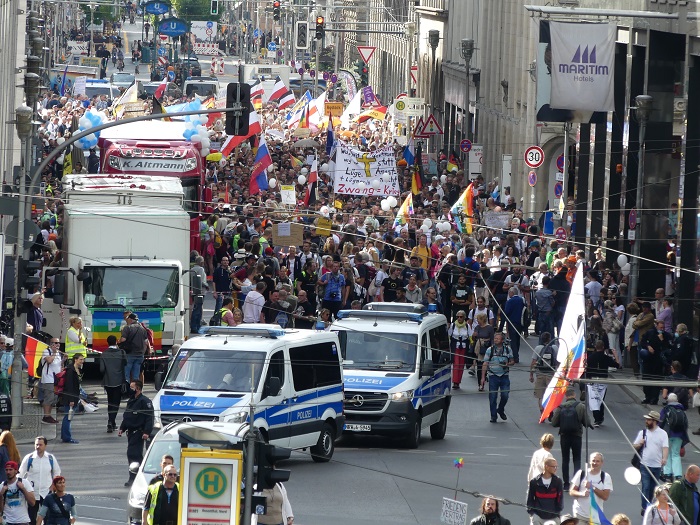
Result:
[[238, 93], [267, 457], [27, 273], [276, 11], [302, 37], [364, 75], [320, 27], [214, 7]]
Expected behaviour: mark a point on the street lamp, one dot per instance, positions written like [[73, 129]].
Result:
[[434, 42], [643, 112], [92, 8], [467, 54]]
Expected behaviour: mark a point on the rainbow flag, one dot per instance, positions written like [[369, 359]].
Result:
[[464, 205], [33, 351], [572, 348], [107, 321], [296, 163], [596, 515], [405, 211]]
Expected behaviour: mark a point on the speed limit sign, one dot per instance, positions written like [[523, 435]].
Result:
[[534, 156]]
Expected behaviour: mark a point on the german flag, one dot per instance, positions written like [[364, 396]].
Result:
[[33, 351]]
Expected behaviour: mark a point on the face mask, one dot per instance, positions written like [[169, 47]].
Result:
[[676, 334]]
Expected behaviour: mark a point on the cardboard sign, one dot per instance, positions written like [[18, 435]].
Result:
[[288, 234], [334, 109], [323, 227]]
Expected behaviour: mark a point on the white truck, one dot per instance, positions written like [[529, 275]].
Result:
[[125, 245]]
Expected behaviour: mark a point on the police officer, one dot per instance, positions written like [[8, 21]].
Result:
[[138, 424]]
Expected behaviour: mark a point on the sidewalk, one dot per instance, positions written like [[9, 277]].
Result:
[[636, 394]]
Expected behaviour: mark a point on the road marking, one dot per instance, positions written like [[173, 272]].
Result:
[[504, 455], [96, 506], [463, 453], [85, 518], [125, 41]]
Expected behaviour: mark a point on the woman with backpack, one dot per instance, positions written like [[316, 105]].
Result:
[[675, 422], [58, 507]]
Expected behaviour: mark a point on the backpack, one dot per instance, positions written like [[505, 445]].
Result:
[[546, 359], [676, 420], [216, 318], [59, 382], [568, 419], [583, 476], [31, 460], [40, 366], [149, 335], [525, 317], [218, 241]]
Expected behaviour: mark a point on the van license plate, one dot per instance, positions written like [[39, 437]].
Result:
[[357, 428]]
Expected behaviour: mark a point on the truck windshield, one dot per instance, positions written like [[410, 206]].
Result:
[[133, 286], [222, 370], [378, 351]]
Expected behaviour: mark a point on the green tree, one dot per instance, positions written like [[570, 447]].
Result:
[[190, 10]]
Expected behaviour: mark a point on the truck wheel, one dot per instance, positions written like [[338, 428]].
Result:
[[322, 451], [413, 439], [439, 429]]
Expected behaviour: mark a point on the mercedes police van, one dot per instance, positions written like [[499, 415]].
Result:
[[293, 378], [396, 365]]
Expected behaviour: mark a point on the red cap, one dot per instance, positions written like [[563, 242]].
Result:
[[269, 251], [12, 464]]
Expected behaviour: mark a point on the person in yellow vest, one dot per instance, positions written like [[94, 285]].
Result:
[[227, 313], [76, 341], [161, 505], [422, 250]]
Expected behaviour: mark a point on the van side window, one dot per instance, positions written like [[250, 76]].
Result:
[[425, 352], [315, 366], [276, 368], [441, 344]]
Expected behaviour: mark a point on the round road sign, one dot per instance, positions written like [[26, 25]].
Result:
[[301, 70], [272, 46], [534, 157], [560, 162], [465, 145], [532, 178], [256, 33], [400, 105], [560, 234], [632, 220], [558, 189]]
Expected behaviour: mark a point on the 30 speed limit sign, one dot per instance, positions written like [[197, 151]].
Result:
[[534, 156]]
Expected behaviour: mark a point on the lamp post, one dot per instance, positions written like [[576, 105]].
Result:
[[410, 31], [467, 49], [92, 30], [643, 112], [433, 42], [23, 123]]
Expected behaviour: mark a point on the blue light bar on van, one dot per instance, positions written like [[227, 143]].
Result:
[[376, 314], [270, 331]]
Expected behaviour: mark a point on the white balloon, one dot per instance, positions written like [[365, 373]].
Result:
[[428, 223], [375, 184], [203, 119], [392, 201], [301, 180], [205, 142], [425, 229], [272, 183], [446, 226], [84, 123], [205, 152], [304, 171], [633, 476], [189, 125], [621, 260], [325, 211], [362, 185], [196, 138], [626, 269], [443, 179], [222, 162], [323, 168], [385, 205]]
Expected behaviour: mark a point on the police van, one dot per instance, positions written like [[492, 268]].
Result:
[[293, 378], [396, 366]]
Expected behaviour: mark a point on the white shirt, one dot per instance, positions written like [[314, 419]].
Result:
[[582, 506], [252, 306], [537, 463], [16, 503], [41, 473], [49, 370], [656, 441], [518, 282], [593, 288]]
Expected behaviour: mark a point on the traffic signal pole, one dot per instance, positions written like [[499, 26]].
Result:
[[249, 467]]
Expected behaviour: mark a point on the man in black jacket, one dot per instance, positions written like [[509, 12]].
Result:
[[138, 424], [561, 290], [490, 514], [545, 495], [70, 397], [653, 345]]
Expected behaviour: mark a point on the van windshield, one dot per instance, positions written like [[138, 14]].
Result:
[[219, 370], [379, 351]]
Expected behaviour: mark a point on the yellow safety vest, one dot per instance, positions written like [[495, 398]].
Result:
[[75, 348], [153, 489]]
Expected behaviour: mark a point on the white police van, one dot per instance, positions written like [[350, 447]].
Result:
[[293, 378], [396, 365]]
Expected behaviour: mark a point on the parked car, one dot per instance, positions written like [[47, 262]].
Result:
[[122, 80]]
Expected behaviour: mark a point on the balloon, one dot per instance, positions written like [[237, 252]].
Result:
[[427, 223], [304, 171], [362, 185], [325, 211], [375, 184], [425, 229], [203, 119], [621, 260], [385, 205], [196, 138], [272, 183], [324, 168], [205, 142], [189, 125], [633, 476], [205, 152], [84, 123], [392, 201], [222, 162], [626, 269], [443, 179], [301, 180]]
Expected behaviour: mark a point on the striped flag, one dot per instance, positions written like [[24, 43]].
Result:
[[233, 141], [278, 90], [258, 175], [405, 211], [256, 94], [63, 81], [33, 350], [311, 185], [596, 515], [287, 100]]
